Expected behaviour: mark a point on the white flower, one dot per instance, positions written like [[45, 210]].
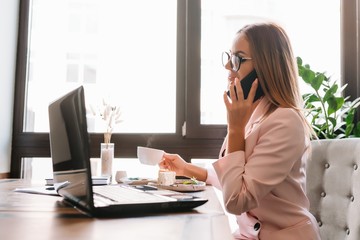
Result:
[[110, 114]]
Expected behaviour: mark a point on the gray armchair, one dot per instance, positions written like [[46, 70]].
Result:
[[333, 187]]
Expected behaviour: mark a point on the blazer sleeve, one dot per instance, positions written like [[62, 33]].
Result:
[[247, 177]]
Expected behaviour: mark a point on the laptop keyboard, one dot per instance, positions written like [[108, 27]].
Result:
[[125, 195]]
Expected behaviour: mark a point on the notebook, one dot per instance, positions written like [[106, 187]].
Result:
[[70, 153]]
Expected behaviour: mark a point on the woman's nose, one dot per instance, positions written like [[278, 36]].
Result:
[[228, 65]]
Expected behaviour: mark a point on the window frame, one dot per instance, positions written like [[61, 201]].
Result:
[[194, 128], [191, 139], [350, 40]]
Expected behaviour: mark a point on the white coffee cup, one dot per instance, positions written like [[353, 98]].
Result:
[[149, 156]]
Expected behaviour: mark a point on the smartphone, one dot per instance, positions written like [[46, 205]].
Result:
[[246, 83]]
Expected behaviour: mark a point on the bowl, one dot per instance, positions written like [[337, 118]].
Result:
[[149, 156]]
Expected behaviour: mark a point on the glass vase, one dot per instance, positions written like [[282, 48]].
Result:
[[107, 157]]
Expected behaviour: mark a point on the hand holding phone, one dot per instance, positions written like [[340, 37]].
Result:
[[246, 84]]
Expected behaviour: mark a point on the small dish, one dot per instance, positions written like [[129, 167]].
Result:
[[179, 186], [137, 181]]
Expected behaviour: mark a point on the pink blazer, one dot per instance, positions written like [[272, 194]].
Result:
[[264, 186]]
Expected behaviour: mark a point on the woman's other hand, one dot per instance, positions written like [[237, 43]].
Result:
[[173, 162]]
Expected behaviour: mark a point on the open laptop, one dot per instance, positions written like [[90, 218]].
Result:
[[69, 145]]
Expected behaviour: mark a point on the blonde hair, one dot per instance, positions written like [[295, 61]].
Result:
[[276, 68]]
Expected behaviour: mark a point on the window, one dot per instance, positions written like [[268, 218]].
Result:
[[219, 23], [162, 74], [91, 43]]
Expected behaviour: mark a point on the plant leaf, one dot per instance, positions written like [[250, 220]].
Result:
[[333, 121], [299, 61], [350, 117], [357, 130], [313, 98], [349, 128], [335, 103], [317, 81], [330, 92], [308, 75]]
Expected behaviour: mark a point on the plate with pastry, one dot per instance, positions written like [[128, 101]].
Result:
[[167, 180]]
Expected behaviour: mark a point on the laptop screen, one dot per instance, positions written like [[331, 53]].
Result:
[[69, 145]]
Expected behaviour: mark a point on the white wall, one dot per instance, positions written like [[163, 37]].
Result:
[[8, 40]]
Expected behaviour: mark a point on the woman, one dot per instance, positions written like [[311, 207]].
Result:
[[261, 167]]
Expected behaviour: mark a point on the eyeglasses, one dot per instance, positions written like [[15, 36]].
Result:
[[235, 60]]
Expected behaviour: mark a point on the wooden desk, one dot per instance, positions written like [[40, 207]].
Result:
[[32, 216]]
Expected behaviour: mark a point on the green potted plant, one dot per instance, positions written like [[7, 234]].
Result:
[[330, 114]]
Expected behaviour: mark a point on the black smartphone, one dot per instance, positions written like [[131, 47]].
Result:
[[246, 83]]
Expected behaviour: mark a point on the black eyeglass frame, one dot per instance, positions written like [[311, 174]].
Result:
[[232, 58]]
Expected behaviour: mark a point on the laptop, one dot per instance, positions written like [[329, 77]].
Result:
[[69, 146]]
